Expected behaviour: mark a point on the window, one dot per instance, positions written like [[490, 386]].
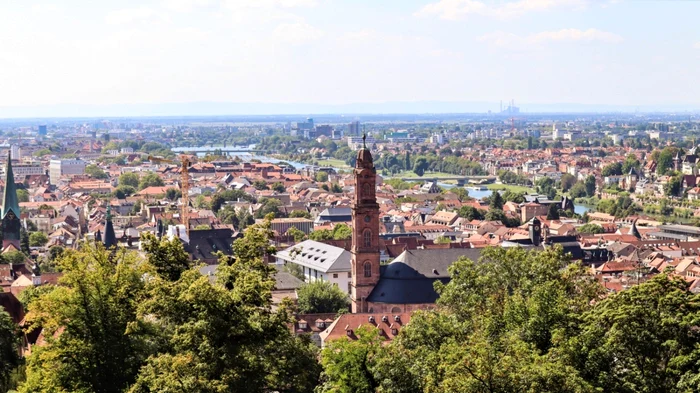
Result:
[[366, 191], [349, 274], [368, 269], [367, 234], [335, 275]]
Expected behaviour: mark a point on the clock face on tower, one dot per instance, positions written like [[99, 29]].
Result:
[[367, 218], [536, 228]]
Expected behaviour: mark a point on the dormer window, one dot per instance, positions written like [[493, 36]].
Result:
[[320, 324], [394, 331], [385, 319], [303, 324]]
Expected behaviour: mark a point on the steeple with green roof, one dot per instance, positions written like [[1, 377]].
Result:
[[10, 209], [9, 197], [110, 237]]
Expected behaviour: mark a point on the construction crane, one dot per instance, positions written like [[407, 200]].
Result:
[[185, 162]]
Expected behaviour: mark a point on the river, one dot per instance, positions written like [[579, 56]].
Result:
[[479, 194]]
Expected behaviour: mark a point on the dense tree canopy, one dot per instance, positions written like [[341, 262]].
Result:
[[321, 297]]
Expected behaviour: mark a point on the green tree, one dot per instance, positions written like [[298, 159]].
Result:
[[55, 252], [664, 162], [93, 342], [553, 212], [461, 192], [38, 239], [516, 197], [95, 172], [27, 296], [22, 195], [121, 192], [260, 185], [9, 347], [297, 234], [442, 240], [342, 232], [224, 336], [299, 214], [590, 185], [420, 166], [269, 205], [279, 187], [567, 181], [24, 241], [630, 162], [321, 176], [407, 161], [612, 169], [672, 187], [496, 201], [321, 297], [150, 180], [578, 190], [643, 339], [320, 235], [167, 256], [129, 179], [471, 213], [590, 229], [172, 194], [348, 364]]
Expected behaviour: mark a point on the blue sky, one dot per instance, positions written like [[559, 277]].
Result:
[[338, 52]]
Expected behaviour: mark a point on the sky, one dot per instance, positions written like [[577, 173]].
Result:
[[356, 51]]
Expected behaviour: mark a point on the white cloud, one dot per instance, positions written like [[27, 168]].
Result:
[[697, 45], [296, 33], [501, 38], [130, 15], [458, 9]]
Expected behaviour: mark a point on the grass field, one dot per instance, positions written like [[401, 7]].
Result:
[[333, 162], [511, 187]]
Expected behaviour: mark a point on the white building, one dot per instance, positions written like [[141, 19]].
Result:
[[58, 168], [16, 152], [355, 143], [319, 261], [23, 170], [437, 139]]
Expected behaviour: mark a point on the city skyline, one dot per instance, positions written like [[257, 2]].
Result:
[[74, 54]]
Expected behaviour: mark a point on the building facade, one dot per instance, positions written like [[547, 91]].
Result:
[[58, 168]]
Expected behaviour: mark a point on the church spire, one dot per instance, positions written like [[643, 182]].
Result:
[[9, 197], [10, 209], [110, 237]]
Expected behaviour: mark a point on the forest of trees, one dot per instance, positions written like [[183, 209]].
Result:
[[515, 321]]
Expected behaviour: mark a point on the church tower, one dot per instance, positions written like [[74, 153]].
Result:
[[365, 231], [10, 209]]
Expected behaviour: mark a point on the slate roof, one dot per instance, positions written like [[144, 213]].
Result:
[[205, 242], [410, 278]]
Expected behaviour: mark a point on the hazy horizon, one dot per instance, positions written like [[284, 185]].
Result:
[[194, 109]]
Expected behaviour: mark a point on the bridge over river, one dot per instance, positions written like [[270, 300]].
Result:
[[461, 180]]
